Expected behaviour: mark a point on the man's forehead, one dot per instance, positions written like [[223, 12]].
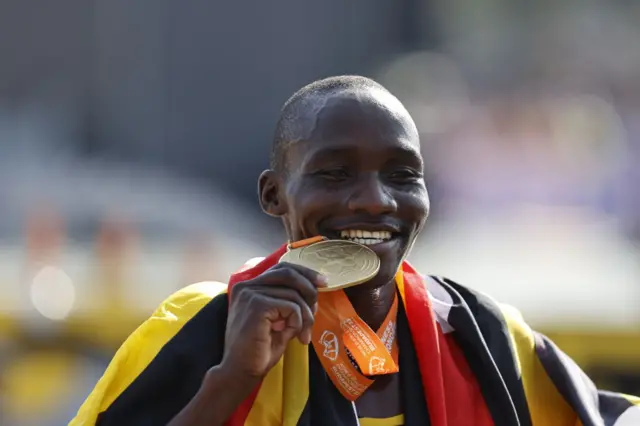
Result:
[[318, 152], [356, 128], [339, 114]]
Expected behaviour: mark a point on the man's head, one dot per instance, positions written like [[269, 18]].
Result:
[[346, 164]]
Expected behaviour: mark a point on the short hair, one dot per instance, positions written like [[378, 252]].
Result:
[[308, 98]]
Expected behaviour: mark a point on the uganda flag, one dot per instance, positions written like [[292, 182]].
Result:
[[522, 377]]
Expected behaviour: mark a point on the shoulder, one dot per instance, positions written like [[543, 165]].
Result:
[[190, 299], [494, 319], [482, 306], [145, 343], [171, 315], [177, 309]]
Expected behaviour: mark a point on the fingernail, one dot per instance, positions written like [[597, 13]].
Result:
[[305, 337], [323, 281]]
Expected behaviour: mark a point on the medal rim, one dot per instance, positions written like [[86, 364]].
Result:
[[287, 257]]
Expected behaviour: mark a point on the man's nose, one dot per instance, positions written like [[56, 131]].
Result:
[[372, 196]]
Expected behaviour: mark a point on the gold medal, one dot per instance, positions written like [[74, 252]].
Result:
[[344, 263]]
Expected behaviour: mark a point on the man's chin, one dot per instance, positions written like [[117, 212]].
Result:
[[390, 262], [385, 276]]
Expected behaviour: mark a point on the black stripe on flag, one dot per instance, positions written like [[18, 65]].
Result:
[[481, 352], [174, 376], [612, 406], [572, 383]]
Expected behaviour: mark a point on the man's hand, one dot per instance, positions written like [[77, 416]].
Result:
[[265, 313]]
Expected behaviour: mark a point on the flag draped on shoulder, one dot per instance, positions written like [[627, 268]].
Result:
[[522, 377]]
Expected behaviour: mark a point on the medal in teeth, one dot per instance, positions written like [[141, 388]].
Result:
[[344, 262]]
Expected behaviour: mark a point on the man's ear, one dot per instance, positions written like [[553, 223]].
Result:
[[271, 194]]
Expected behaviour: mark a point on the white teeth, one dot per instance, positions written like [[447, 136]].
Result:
[[365, 237], [368, 241]]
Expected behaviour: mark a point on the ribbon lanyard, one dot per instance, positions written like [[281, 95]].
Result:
[[348, 348]]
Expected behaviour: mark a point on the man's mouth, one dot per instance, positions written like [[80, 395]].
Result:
[[368, 238]]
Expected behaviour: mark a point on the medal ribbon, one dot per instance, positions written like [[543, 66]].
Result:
[[348, 349], [339, 331]]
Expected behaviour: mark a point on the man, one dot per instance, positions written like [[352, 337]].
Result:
[[346, 164]]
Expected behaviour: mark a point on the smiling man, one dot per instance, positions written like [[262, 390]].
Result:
[[400, 349]]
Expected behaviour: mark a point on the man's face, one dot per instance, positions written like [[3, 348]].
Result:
[[356, 174]]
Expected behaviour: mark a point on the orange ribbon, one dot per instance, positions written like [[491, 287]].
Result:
[[339, 329], [343, 340]]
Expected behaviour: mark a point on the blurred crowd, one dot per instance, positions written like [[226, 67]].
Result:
[[530, 123]]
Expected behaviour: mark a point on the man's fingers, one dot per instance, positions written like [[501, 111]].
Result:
[[286, 310], [315, 277], [294, 284], [305, 336], [278, 325], [284, 293], [286, 277]]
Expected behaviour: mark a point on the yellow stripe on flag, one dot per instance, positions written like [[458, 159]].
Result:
[[546, 405], [284, 391]]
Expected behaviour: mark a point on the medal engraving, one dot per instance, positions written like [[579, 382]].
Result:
[[344, 263]]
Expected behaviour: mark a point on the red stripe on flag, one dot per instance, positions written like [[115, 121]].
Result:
[[240, 415], [424, 332]]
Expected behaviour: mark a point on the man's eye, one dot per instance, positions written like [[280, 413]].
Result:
[[405, 176], [333, 174]]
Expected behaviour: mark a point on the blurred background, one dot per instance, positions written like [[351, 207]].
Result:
[[132, 134]]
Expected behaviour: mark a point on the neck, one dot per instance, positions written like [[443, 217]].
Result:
[[372, 304]]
